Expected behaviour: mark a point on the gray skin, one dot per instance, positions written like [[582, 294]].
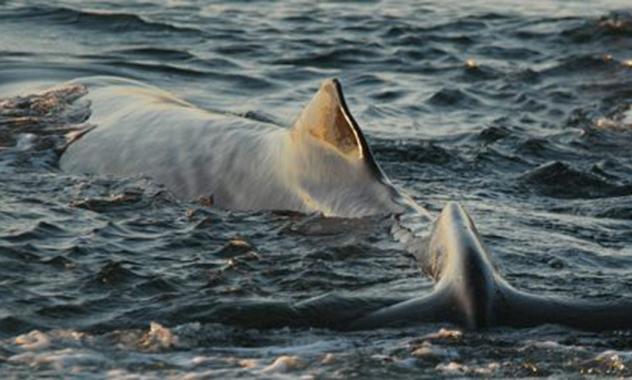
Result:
[[468, 292], [322, 164]]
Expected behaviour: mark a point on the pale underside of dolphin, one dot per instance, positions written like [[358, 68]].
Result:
[[322, 164]]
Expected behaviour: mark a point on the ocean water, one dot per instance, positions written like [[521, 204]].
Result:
[[519, 111]]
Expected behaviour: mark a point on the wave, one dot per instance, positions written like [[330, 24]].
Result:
[[93, 19], [560, 180]]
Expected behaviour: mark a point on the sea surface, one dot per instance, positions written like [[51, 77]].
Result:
[[518, 110]]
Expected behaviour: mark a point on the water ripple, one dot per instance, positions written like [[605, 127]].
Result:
[[520, 112]]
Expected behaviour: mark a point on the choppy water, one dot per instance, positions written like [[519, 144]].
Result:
[[520, 112]]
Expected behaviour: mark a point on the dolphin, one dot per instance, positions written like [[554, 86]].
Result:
[[321, 164]]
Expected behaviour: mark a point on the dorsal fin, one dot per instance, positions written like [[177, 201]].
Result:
[[327, 119]]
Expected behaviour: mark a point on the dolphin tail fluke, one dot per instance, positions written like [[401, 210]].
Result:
[[327, 311], [480, 297], [468, 291], [465, 279], [520, 309], [435, 307]]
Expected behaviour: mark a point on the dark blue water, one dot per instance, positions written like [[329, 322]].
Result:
[[520, 112]]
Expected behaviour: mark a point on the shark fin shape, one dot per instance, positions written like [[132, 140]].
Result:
[[327, 120]]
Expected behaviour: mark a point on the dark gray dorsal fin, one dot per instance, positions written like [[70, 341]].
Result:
[[327, 119]]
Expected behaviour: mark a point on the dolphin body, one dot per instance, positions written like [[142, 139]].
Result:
[[322, 164]]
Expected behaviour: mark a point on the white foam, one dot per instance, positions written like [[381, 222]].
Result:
[[284, 364], [610, 354], [444, 334], [627, 118], [64, 359], [35, 340], [26, 141], [457, 369], [159, 338], [428, 350]]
